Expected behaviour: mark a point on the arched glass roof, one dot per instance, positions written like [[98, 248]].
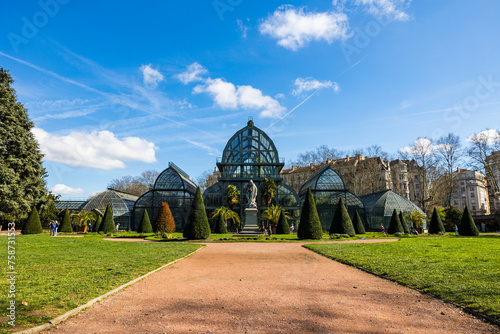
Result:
[[174, 178], [119, 205], [325, 179]]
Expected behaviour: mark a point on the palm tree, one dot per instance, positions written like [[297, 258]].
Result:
[[83, 217], [232, 196], [417, 218], [273, 214], [226, 214], [268, 190]]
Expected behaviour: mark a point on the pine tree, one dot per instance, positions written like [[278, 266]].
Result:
[[220, 225], [283, 227], [403, 223], [309, 225], [97, 223], [108, 223], [358, 224], [341, 222], [436, 225], [164, 222], [395, 225], [197, 226], [22, 183], [65, 222], [33, 224], [145, 224], [467, 225]]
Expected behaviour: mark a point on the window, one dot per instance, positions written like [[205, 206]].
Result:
[[474, 207], [416, 177], [463, 189], [417, 186], [472, 195], [462, 182]]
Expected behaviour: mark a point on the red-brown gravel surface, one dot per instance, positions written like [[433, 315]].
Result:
[[268, 288]]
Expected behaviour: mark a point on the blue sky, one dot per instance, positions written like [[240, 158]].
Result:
[[115, 88]]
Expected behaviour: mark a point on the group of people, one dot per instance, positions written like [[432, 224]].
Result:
[[54, 225], [269, 231]]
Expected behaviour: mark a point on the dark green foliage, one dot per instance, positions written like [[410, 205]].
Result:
[[32, 225], [197, 226], [22, 183], [220, 225], [395, 225], [97, 223], [341, 222], [65, 222], [403, 223], [310, 225], [282, 227], [467, 225], [48, 209], [453, 217], [108, 223], [358, 224], [436, 225], [145, 224]]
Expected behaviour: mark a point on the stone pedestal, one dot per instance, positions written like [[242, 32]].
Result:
[[250, 221]]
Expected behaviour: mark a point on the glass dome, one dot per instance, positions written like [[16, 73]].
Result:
[[121, 204]]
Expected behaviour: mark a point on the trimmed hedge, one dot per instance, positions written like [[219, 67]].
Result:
[[65, 222], [33, 224], [164, 222], [145, 224], [282, 227], [108, 223], [310, 225], [197, 226], [467, 225], [395, 225], [341, 222], [436, 225], [220, 225], [403, 223], [97, 223], [359, 227]]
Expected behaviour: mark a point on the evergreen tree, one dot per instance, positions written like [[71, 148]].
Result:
[[436, 225], [33, 224], [197, 226], [108, 223], [65, 225], [395, 225], [164, 222], [282, 227], [358, 224], [220, 225], [341, 222], [403, 223], [467, 225], [22, 183], [97, 223], [309, 225], [145, 224]]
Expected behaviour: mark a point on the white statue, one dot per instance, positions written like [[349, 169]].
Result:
[[251, 194]]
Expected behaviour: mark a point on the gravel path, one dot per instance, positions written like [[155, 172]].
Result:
[[268, 288]]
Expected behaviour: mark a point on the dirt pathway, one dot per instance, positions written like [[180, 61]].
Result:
[[268, 288]]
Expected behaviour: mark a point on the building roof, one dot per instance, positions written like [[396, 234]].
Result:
[[71, 205], [383, 204]]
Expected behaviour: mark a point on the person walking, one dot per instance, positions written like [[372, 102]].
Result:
[[117, 227], [89, 229], [456, 229], [51, 227], [383, 230]]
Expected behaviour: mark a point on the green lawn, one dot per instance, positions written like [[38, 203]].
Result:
[[55, 275], [460, 269]]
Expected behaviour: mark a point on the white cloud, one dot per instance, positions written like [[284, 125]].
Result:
[[309, 84], [293, 28], [421, 145], [63, 189], [101, 150], [243, 28], [192, 74], [489, 137], [228, 96], [151, 76], [392, 9]]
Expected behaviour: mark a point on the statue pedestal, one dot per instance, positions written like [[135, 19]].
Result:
[[251, 221]]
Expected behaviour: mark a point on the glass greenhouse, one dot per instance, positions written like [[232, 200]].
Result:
[[327, 188], [121, 204], [172, 186], [379, 208]]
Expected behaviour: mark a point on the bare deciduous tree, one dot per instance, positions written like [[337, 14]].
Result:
[[448, 153], [135, 185]]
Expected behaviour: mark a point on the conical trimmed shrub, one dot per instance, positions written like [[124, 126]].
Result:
[[108, 223], [145, 224], [358, 224], [403, 223], [282, 227], [395, 225], [467, 225], [97, 223], [309, 225], [436, 225], [65, 222], [197, 226], [220, 225], [33, 224], [164, 222], [341, 222]]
